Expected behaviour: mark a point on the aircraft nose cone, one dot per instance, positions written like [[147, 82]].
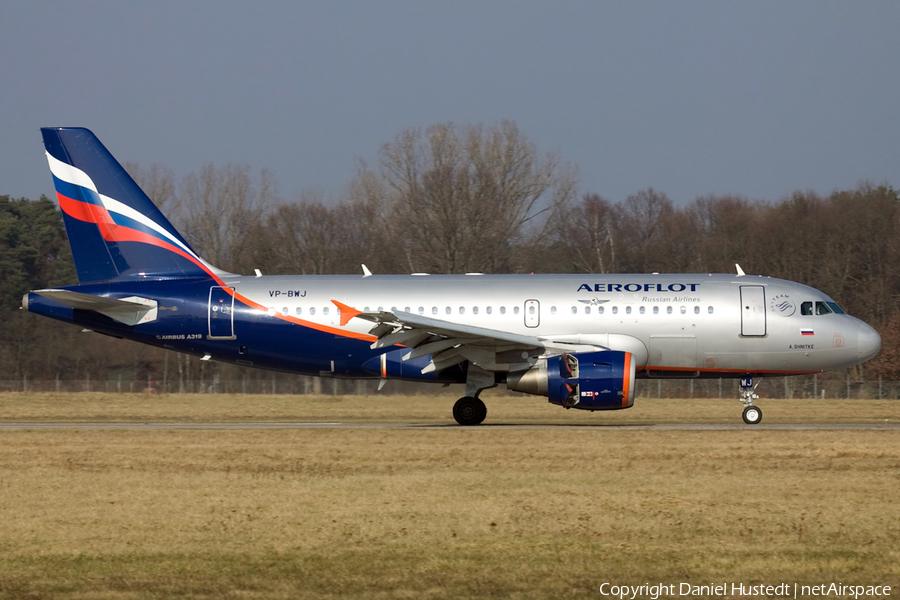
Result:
[[869, 342]]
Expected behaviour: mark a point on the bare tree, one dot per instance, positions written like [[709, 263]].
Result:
[[460, 198], [727, 228], [644, 219], [310, 238], [220, 208], [158, 182], [583, 239]]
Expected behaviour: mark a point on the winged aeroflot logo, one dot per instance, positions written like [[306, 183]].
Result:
[[594, 301]]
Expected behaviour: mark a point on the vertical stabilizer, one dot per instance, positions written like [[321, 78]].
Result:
[[114, 230]]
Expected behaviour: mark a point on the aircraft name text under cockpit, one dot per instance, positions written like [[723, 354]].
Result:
[[638, 287]]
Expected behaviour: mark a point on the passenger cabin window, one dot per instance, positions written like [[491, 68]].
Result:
[[628, 310], [462, 310], [710, 310], [552, 310], [669, 310], [312, 310], [434, 310], [655, 310], [502, 310], [515, 310], [696, 310], [325, 311], [489, 310], [643, 310], [299, 311], [421, 310], [600, 310], [474, 310], [574, 310], [615, 310], [448, 310], [587, 310]]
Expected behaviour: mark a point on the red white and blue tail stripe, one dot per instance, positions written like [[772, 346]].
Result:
[[115, 231]]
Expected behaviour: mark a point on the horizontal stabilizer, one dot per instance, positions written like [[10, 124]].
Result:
[[130, 311]]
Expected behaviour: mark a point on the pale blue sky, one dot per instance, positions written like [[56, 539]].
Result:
[[691, 98]]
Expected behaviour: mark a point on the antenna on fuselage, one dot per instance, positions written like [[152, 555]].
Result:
[[740, 271]]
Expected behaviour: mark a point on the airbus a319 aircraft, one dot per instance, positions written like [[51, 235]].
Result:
[[580, 340]]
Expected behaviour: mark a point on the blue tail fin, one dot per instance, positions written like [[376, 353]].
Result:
[[115, 231]]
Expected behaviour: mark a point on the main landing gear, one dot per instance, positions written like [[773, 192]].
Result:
[[469, 411], [752, 414]]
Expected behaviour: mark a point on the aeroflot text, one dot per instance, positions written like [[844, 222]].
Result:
[[637, 287], [783, 590]]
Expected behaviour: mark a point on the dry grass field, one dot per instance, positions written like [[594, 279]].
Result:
[[425, 410], [439, 512]]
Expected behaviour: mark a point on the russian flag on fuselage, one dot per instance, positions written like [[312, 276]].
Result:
[[114, 229]]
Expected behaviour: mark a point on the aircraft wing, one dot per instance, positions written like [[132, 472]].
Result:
[[451, 343], [130, 311]]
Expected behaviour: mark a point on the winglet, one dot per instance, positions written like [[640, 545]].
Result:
[[347, 312], [366, 271], [740, 271]]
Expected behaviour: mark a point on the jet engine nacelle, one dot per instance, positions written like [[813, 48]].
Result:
[[589, 381]]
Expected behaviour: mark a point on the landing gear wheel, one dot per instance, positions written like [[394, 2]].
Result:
[[469, 411], [752, 415]]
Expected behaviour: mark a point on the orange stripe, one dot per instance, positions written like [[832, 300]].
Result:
[[296, 321], [626, 380], [347, 312], [111, 232], [83, 211]]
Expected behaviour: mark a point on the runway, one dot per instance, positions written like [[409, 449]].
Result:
[[602, 427]]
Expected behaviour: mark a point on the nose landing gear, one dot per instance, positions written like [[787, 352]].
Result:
[[752, 414]]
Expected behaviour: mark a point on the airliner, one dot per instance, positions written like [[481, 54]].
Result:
[[580, 340]]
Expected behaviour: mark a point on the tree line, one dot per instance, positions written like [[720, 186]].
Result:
[[458, 199]]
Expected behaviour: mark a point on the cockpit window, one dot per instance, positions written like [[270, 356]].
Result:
[[820, 308]]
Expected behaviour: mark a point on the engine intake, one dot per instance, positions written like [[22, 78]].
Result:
[[589, 381]]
